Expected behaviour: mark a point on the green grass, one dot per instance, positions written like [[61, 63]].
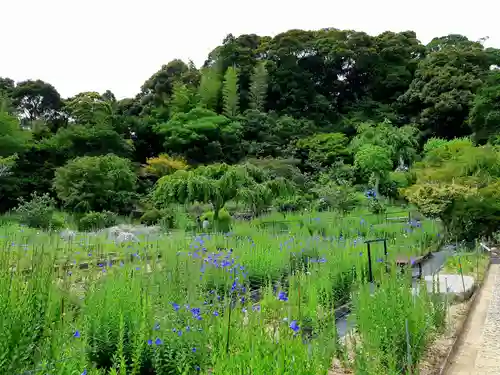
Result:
[[92, 305], [469, 263]]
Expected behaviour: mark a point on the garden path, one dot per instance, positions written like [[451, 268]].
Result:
[[479, 350]]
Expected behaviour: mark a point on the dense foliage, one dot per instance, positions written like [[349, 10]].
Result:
[[352, 111]]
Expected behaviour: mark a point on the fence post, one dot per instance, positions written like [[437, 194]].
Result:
[[477, 263], [408, 347], [461, 273], [447, 312]]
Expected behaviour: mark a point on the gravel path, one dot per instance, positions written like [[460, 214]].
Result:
[[479, 352]]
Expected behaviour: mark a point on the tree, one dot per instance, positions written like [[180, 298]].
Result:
[[401, 141], [258, 87], [374, 161], [324, 148], [230, 96], [202, 136], [91, 108], [86, 140], [183, 99], [210, 88], [445, 82], [484, 117], [159, 87], [12, 138], [96, 183], [242, 53], [36, 100], [456, 182], [217, 184], [164, 165], [6, 165], [6, 85]]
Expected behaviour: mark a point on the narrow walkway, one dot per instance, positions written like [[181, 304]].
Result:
[[479, 352]]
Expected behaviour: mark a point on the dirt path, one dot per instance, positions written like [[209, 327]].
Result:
[[479, 351]]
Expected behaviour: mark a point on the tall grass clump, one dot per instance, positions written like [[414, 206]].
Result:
[[394, 324]]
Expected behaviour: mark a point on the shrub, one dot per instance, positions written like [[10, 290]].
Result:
[[151, 217], [223, 223], [97, 220], [341, 197], [391, 187], [97, 183], [376, 206], [38, 212], [290, 204]]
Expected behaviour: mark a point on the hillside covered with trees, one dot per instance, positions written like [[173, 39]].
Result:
[[315, 116]]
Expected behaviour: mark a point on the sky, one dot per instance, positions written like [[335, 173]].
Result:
[[96, 45]]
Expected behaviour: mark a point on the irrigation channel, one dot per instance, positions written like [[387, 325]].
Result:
[[430, 266]]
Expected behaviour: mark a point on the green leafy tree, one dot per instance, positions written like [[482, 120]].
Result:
[[96, 183], [373, 160], [244, 53], [6, 165], [484, 117], [183, 99], [442, 92], [401, 141], [210, 88], [455, 182], [324, 148], [216, 184], [202, 136], [36, 100], [6, 86], [230, 96], [158, 89], [13, 139], [86, 140], [91, 108]]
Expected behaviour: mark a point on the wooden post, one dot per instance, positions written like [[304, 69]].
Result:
[[370, 271]]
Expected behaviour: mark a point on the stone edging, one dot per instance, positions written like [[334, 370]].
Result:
[[461, 326]]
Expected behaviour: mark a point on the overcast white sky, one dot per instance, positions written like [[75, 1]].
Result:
[[95, 45]]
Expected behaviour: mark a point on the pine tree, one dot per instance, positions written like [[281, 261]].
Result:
[[258, 87], [230, 93]]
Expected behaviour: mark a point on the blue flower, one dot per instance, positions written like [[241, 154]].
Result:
[[282, 296], [175, 306], [294, 326], [157, 326], [195, 311], [76, 334], [158, 341], [150, 342], [216, 313], [193, 350], [84, 372], [256, 308]]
